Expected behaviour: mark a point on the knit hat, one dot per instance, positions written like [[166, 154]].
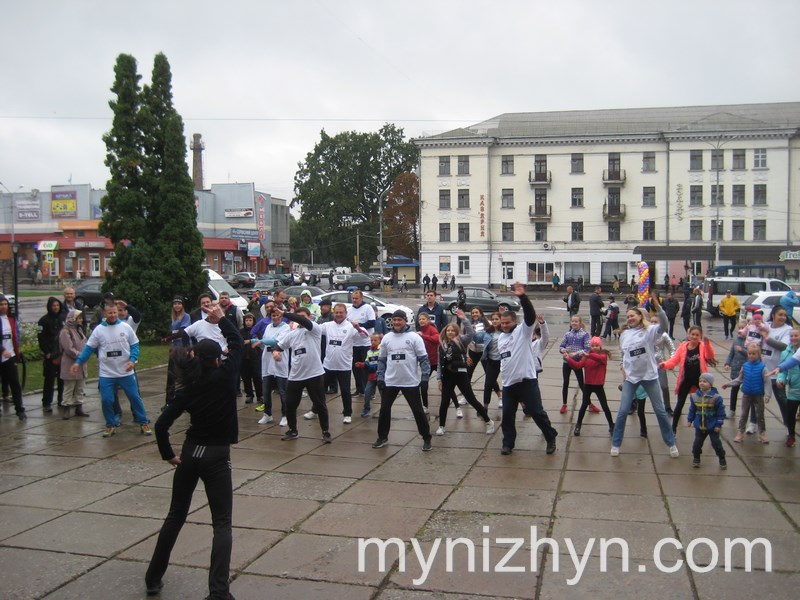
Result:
[[709, 377], [207, 349], [401, 314], [596, 341]]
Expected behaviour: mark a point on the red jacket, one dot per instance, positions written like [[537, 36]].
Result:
[[706, 353], [593, 365], [430, 337]]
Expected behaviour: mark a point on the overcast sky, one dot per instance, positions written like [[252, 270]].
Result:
[[259, 79]]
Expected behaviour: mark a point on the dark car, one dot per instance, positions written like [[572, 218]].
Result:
[[242, 279], [359, 281], [484, 299], [90, 292]]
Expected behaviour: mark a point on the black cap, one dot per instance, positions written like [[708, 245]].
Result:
[[108, 297], [326, 302], [177, 299], [401, 314], [207, 349]]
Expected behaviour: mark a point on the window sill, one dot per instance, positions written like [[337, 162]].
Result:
[[445, 175], [577, 172], [760, 168], [696, 170], [506, 208], [739, 169], [445, 208], [650, 171], [507, 174], [576, 206], [759, 205], [649, 206]]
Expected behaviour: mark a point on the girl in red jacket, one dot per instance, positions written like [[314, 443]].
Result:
[[594, 378]]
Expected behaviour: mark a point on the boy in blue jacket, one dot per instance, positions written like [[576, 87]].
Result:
[[707, 414]]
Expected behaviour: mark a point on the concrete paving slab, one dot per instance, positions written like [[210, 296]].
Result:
[[479, 526], [398, 594], [726, 512], [262, 512], [639, 484], [415, 473], [291, 485], [24, 518], [622, 507], [35, 581], [33, 465], [125, 472], [59, 493], [741, 584], [336, 466], [708, 484], [501, 500], [538, 479], [276, 588], [140, 501], [390, 493], [602, 462], [366, 520], [612, 538]]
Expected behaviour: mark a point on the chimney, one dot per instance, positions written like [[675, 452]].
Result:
[[197, 161]]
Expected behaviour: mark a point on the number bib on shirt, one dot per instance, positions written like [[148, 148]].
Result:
[[397, 356], [637, 352]]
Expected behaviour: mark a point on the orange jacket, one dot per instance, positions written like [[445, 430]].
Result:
[[706, 353]]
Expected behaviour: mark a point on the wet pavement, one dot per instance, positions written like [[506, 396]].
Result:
[[79, 513]]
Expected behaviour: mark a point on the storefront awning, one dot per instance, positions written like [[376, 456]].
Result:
[[48, 245]]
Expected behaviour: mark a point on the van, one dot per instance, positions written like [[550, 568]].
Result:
[[741, 287], [217, 284]]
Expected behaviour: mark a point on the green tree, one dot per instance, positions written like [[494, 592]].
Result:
[[337, 189]]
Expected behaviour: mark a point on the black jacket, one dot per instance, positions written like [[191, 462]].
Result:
[[595, 305], [49, 327]]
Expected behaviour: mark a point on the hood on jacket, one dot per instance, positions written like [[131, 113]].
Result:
[[53, 305], [72, 318]]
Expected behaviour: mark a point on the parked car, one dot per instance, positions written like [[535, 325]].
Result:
[[217, 284], [484, 299], [383, 310], [352, 281], [377, 276], [90, 292], [741, 287], [765, 301], [296, 290], [242, 279]]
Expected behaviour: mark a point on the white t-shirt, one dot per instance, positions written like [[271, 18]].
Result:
[[517, 354], [6, 342], [401, 351], [203, 330], [270, 366], [639, 354], [113, 344], [339, 344], [771, 357], [362, 314], [306, 352]]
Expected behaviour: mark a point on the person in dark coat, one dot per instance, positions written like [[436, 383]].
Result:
[[596, 311], [672, 308], [49, 327]]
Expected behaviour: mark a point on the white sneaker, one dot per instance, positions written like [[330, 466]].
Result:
[[490, 428], [310, 415], [440, 431], [751, 428], [426, 411], [462, 401], [500, 404], [284, 422], [614, 450], [673, 452], [265, 419], [305, 394], [459, 413], [347, 420]]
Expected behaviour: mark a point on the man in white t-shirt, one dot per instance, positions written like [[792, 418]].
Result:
[[364, 314], [400, 352], [201, 328]]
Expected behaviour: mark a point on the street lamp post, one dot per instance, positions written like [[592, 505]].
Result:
[[380, 228], [14, 249]]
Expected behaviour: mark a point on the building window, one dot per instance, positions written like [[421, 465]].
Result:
[[614, 165], [540, 167], [717, 229], [508, 271], [508, 232], [463, 165], [648, 231], [695, 230], [540, 201], [463, 198], [540, 232], [573, 270], [577, 163], [613, 231], [718, 160], [760, 158], [738, 160], [444, 264], [541, 272], [648, 162], [444, 199], [759, 194], [444, 232], [577, 231], [695, 160], [738, 195], [507, 200], [463, 265], [507, 165], [737, 230], [717, 195], [759, 230], [609, 270], [444, 165], [648, 196], [696, 195], [463, 232], [577, 197]]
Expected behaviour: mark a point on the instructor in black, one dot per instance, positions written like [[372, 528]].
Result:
[[205, 387]]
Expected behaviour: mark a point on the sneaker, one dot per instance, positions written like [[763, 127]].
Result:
[[356, 394], [732, 414], [290, 435], [365, 413], [577, 432], [146, 429], [260, 408], [249, 400], [48, 408], [109, 431], [670, 413], [426, 446], [22, 416], [154, 588], [426, 411], [462, 401], [643, 434], [265, 419], [500, 404], [762, 437], [490, 428], [310, 415], [739, 438], [326, 437], [696, 463], [380, 443], [551, 446], [440, 431], [593, 408], [347, 420], [789, 441], [723, 464], [563, 409], [751, 428], [506, 451], [673, 452], [614, 450], [284, 422], [459, 413]]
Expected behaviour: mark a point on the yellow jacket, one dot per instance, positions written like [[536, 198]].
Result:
[[729, 306]]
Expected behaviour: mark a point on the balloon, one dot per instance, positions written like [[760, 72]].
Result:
[[644, 283]]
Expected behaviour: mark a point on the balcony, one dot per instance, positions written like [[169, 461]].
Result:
[[540, 213], [614, 212], [615, 177], [540, 178]]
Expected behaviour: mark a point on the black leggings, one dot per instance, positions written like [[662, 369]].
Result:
[[683, 391], [600, 392], [316, 391], [460, 380], [423, 388], [565, 372], [492, 370]]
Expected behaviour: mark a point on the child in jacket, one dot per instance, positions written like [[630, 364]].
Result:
[[594, 366], [790, 379], [756, 389], [736, 358], [707, 414], [371, 365]]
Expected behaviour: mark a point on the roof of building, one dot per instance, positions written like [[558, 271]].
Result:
[[633, 121]]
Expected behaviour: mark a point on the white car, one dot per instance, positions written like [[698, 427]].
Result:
[[764, 301], [383, 310], [217, 284]]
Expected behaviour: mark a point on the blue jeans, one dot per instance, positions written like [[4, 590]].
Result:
[[369, 393], [653, 390], [107, 385], [269, 383]]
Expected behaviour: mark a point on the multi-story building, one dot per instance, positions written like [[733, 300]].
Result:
[[591, 193]]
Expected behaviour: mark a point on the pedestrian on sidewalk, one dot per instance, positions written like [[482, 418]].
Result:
[[9, 355], [756, 389], [593, 364], [72, 340], [575, 343], [707, 415], [733, 363]]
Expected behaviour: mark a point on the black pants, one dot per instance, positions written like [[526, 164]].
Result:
[[780, 398], [596, 324], [671, 327], [600, 392], [729, 325], [491, 370], [250, 373], [214, 468], [423, 388], [51, 376], [792, 407], [316, 391], [525, 392], [683, 392], [8, 370], [734, 396], [638, 404], [342, 379], [565, 372], [450, 381], [359, 375], [697, 318], [411, 394], [700, 436]]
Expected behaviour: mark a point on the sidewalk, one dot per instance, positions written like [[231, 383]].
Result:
[[80, 513]]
